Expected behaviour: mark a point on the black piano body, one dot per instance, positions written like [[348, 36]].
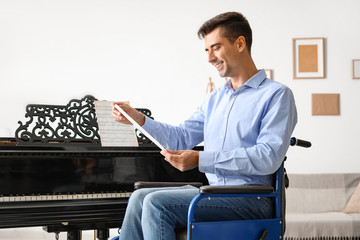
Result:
[[71, 184]]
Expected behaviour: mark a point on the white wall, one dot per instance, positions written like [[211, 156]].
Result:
[[148, 52]]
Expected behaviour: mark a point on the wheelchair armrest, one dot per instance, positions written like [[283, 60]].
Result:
[[235, 189], [141, 184]]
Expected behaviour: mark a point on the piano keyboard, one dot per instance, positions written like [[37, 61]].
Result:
[[63, 197]]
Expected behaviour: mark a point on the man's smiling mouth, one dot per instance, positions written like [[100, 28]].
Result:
[[218, 65]]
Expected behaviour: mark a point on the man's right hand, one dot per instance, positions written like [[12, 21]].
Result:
[[132, 112]]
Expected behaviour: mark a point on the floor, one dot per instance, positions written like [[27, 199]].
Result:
[[37, 233]]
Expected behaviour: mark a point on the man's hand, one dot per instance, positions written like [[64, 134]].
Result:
[[136, 115], [183, 160]]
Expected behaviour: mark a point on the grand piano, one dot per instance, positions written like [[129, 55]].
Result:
[[54, 173]]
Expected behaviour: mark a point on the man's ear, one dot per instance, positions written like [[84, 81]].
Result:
[[240, 43]]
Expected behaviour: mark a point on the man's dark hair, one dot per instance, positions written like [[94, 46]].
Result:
[[232, 24]]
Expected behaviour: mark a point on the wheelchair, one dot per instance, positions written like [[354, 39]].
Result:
[[254, 229]]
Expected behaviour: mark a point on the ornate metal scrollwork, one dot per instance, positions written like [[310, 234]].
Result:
[[75, 122], [142, 139]]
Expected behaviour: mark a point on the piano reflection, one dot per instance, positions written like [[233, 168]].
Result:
[[55, 173]]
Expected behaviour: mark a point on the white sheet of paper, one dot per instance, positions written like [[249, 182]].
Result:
[[139, 127], [112, 133]]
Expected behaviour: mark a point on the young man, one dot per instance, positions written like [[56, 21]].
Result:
[[246, 128]]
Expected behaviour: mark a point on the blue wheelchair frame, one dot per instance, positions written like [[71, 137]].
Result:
[[240, 229]]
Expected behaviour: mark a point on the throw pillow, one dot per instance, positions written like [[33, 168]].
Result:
[[353, 206]]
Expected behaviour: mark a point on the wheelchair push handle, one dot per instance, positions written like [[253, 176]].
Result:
[[298, 142]]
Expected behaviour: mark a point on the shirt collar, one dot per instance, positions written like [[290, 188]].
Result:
[[253, 82]]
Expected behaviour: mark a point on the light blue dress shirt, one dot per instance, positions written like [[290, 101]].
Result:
[[246, 132]]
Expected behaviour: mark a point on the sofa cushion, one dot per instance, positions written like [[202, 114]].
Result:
[[320, 193], [331, 224], [353, 206]]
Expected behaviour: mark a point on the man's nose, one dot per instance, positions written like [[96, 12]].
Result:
[[211, 56]]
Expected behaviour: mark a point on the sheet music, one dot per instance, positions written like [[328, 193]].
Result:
[[112, 133]]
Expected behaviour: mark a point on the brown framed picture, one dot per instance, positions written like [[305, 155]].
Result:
[[356, 68], [325, 104], [308, 58]]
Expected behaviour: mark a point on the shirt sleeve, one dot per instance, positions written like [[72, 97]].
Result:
[[265, 156], [185, 136]]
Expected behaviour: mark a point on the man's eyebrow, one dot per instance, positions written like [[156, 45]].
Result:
[[211, 46]]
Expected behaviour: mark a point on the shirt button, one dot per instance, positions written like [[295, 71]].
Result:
[[221, 179]]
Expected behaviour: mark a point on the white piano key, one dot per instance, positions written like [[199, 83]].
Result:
[[63, 197]]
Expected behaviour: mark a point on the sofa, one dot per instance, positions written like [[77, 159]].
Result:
[[323, 206]]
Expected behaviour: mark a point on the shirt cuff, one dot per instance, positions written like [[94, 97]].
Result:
[[207, 162]]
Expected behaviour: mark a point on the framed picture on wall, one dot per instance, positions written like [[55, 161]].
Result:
[[356, 68], [325, 104], [308, 58]]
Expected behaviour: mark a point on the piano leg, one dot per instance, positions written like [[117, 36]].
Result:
[[74, 235], [102, 234]]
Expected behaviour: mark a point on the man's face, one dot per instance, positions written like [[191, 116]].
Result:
[[222, 54]]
